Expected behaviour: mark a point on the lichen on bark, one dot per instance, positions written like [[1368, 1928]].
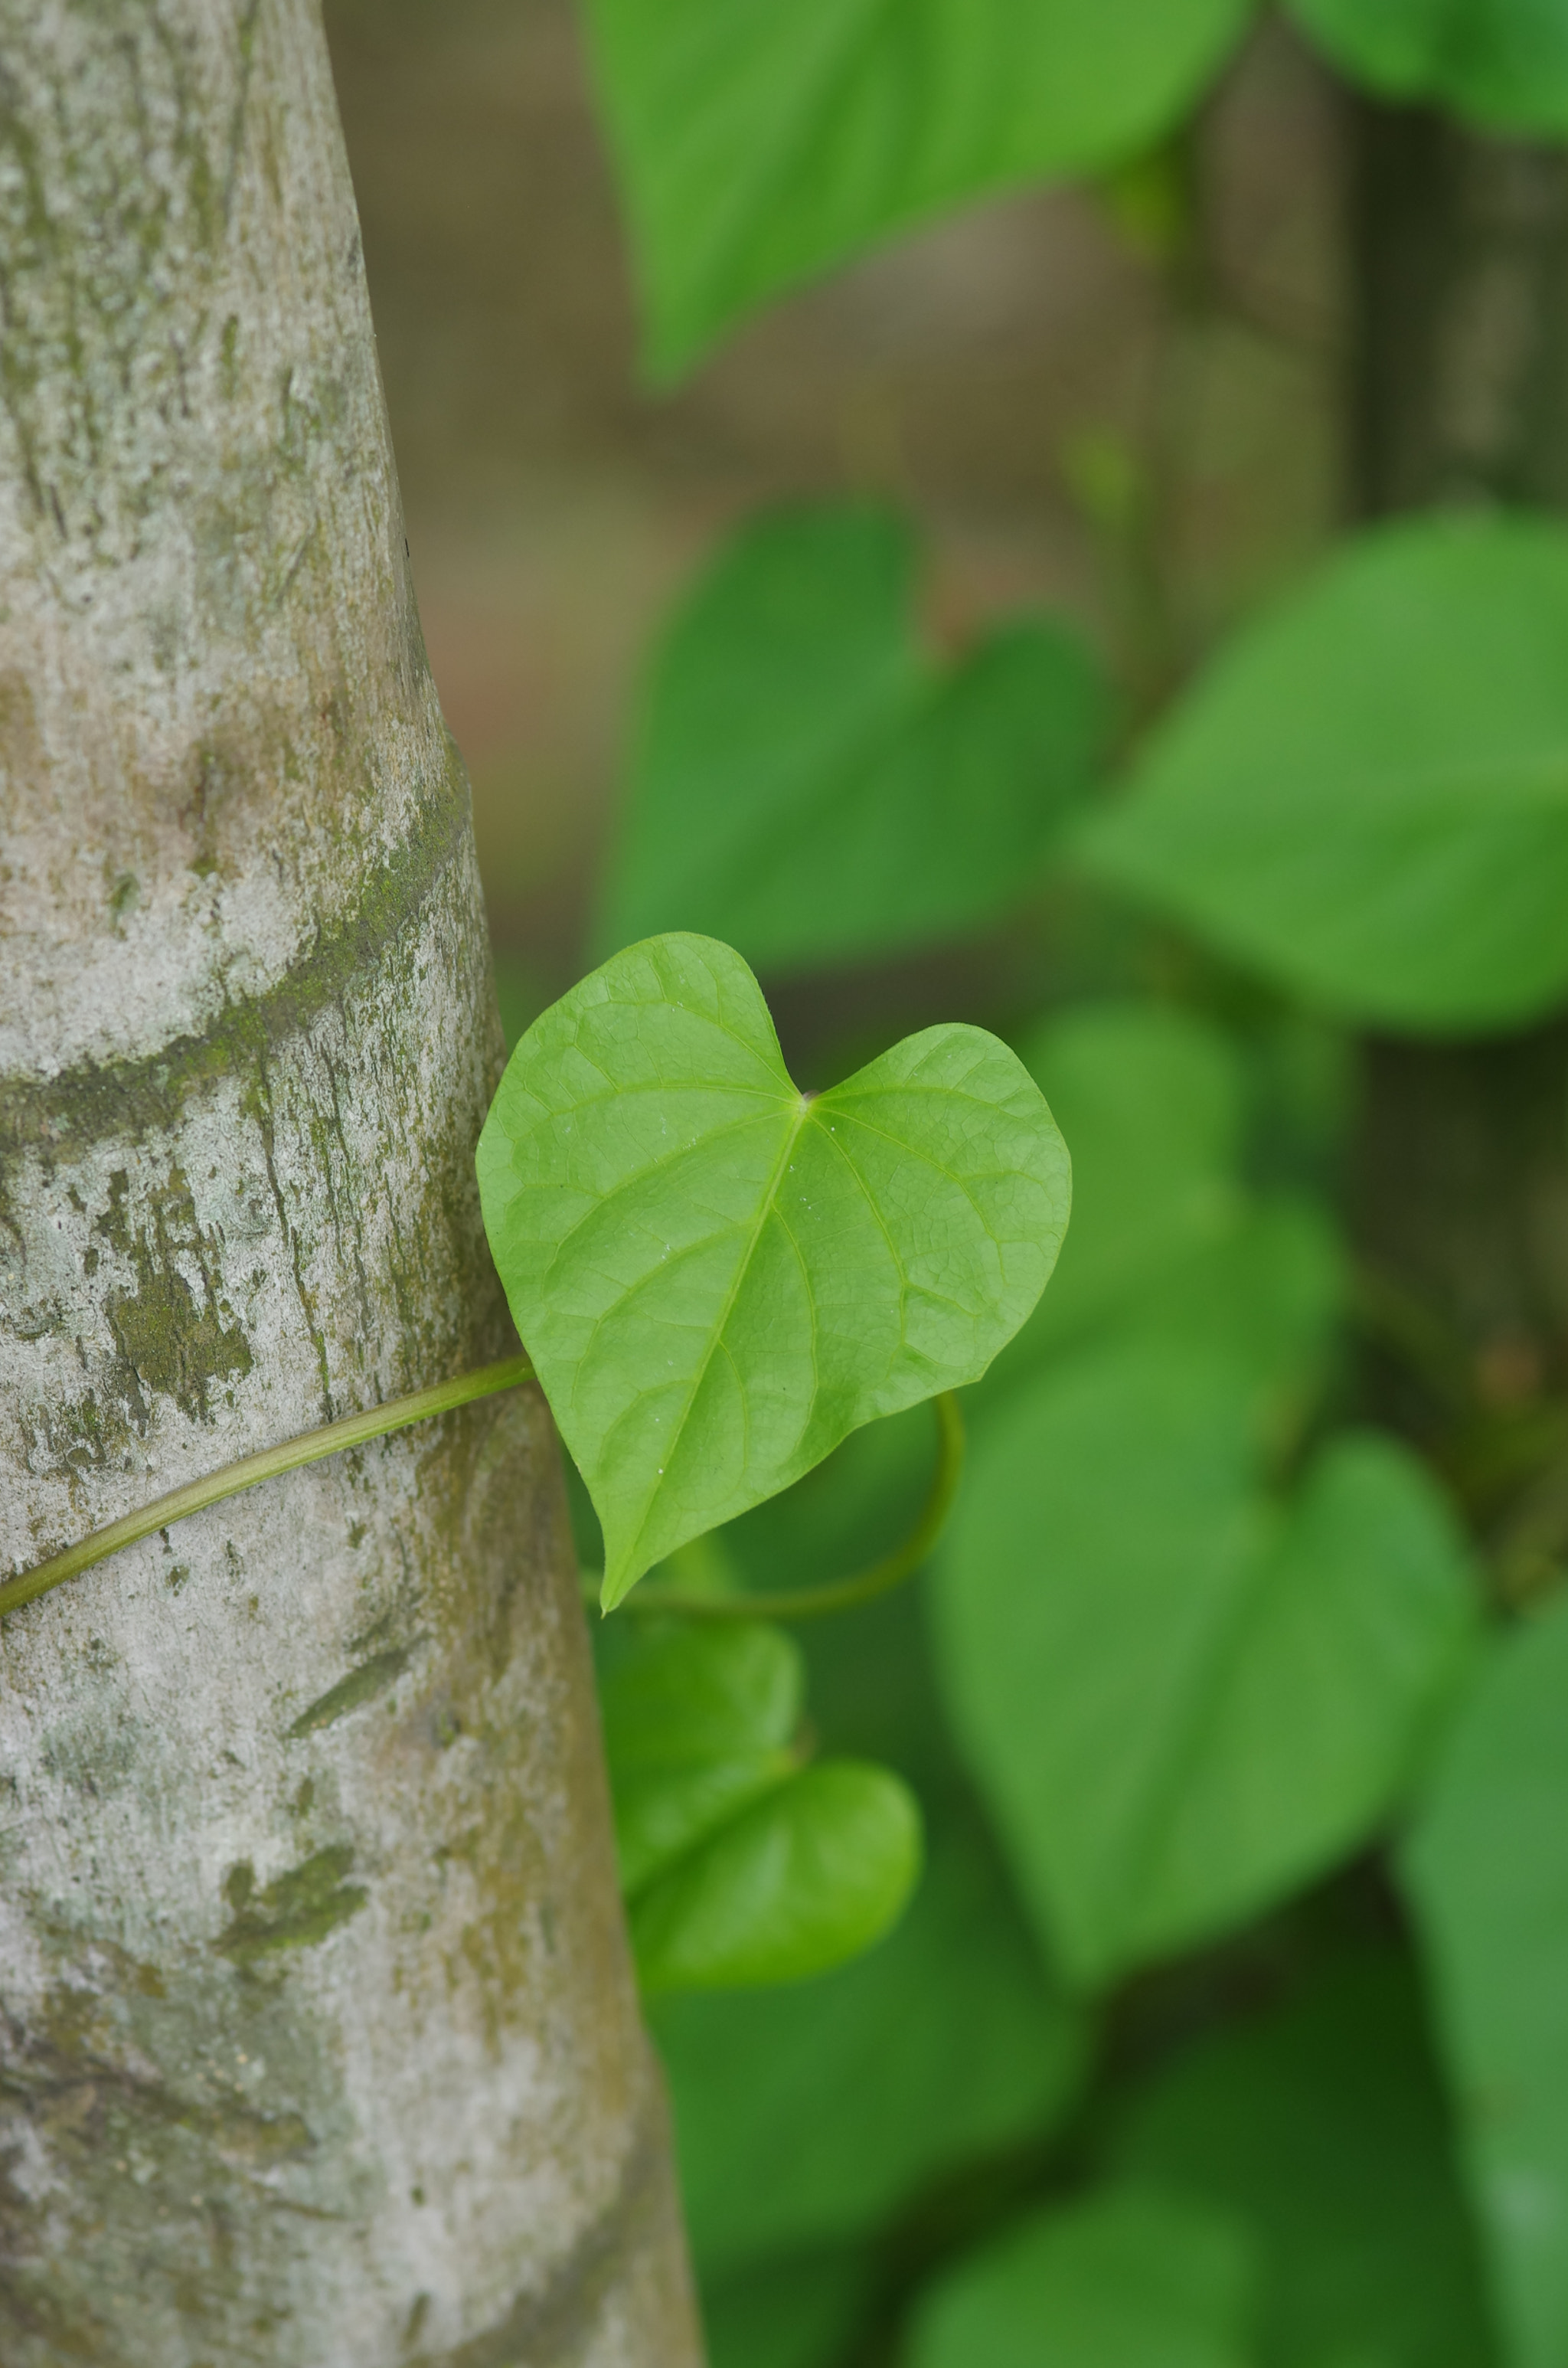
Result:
[[318, 2041]]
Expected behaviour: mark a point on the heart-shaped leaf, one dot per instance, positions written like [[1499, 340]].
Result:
[[697, 1724], [739, 1868], [1127, 2279], [717, 1276], [760, 145], [1367, 794], [808, 787], [1181, 1698], [805, 1878]]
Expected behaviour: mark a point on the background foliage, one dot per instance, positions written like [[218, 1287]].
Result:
[[1224, 2023]]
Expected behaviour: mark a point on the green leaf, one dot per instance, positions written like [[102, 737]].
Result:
[[718, 1277], [698, 1723], [807, 786], [1127, 2280], [1165, 1239], [1181, 1699], [794, 2314], [1151, 1099], [1487, 1870], [760, 146], [809, 2116], [805, 1878], [686, 1694], [1323, 2124], [795, 650], [1367, 796], [1503, 63], [738, 1869], [1267, 1297]]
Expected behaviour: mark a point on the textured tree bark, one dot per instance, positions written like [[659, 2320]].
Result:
[[318, 2042], [1460, 394]]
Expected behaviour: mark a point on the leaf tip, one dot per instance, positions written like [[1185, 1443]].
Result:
[[617, 1584]]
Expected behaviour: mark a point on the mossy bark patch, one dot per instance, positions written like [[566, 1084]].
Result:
[[361, 1685], [169, 1340], [172, 1345], [142, 1097], [295, 1911]]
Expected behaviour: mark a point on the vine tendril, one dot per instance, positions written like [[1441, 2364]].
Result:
[[310, 1447], [420, 1405], [837, 1594]]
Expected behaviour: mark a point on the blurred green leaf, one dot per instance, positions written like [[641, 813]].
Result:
[[1323, 2124], [696, 1693], [793, 2313], [1181, 1699], [1503, 63], [810, 2115], [807, 786], [739, 1869], [1268, 1298], [807, 1877], [1164, 1238], [1150, 1098], [793, 654], [758, 147], [718, 1277], [1367, 796], [698, 1723], [1127, 2280], [1487, 1870]]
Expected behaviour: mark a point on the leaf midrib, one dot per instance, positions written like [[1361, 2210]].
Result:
[[913, 1151], [716, 1340]]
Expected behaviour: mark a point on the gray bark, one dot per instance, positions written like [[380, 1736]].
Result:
[[318, 2040]]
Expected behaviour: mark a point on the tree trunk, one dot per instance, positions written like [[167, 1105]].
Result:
[[1462, 298], [1460, 395], [318, 2041]]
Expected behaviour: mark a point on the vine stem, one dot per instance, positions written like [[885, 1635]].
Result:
[[420, 1405], [837, 1594], [310, 1447]]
